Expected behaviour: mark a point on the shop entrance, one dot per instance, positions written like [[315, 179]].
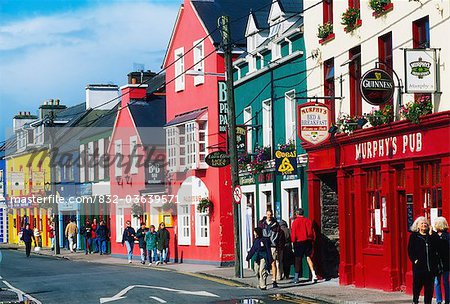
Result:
[[248, 219]]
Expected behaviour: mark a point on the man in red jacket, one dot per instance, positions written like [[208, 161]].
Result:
[[302, 235]]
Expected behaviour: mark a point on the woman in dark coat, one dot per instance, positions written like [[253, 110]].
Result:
[[422, 252], [27, 237], [163, 237], [443, 248]]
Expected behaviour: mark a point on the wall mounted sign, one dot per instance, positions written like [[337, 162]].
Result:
[[286, 162], [313, 122], [155, 175], [377, 87], [217, 159], [420, 71], [17, 180], [37, 180], [223, 118], [247, 180], [241, 138]]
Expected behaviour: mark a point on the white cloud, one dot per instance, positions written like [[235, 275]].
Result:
[[56, 56]]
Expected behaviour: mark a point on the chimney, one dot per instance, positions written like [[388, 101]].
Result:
[[101, 96], [133, 92], [21, 119], [48, 106]]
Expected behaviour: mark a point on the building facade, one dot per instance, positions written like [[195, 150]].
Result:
[[3, 207], [386, 173]]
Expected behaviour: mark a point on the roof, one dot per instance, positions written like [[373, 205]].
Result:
[[210, 11], [181, 118], [149, 117], [261, 17], [291, 6], [156, 83]]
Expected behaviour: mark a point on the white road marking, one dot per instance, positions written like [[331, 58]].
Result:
[[158, 299], [21, 294], [121, 294]]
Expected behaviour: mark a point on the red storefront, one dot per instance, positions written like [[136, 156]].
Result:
[[386, 176]]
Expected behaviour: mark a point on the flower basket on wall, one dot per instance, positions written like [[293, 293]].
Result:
[[244, 161], [260, 159], [414, 110], [381, 116], [325, 32], [351, 19], [205, 205], [137, 210], [380, 7], [347, 124], [289, 146]]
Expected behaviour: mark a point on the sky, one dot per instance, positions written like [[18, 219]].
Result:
[[51, 49]]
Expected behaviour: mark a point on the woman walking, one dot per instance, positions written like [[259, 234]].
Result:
[[150, 241], [27, 237], [163, 237], [128, 239], [443, 248], [263, 260], [423, 255]]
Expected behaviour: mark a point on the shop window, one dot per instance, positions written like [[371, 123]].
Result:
[[119, 224], [329, 88], [385, 56], [400, 177], [268, 200], [293, 201], [355, 77], [376, 207], [201, 228], [431, 189], [184, 224], [328, 11]]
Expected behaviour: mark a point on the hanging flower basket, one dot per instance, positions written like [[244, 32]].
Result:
[[287, 147], [137, 210], [381, 116], [351, 19], [380, 7], [260, 159], [205, 205], [325, 32], [347, 124], [414, 110], [244, 161]]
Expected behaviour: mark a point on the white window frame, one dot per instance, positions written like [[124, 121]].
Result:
[[199, 239], [179, 69], [267, 122], [101, 153], [120, 218], [191, 129], [289, 115], [82, 165], [201, 155], [91, 172], [285, 187], [199, 56], [248, 122], [133, 158], [276, 51], [173, 148], [275, 27], [184, 224], [118, 156], [267, 187], [181, 148]]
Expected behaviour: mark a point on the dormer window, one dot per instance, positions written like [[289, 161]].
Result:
[[275, 27]]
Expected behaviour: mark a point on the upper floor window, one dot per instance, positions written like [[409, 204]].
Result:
[[385, 55], [329, 88], [354, 4], [289, 115], [355, 77], [118, 157], [328, 11], [133, 155], [179, 69], [248, 122], [267, 123], [199, 65], [421, 33], [275, 26]]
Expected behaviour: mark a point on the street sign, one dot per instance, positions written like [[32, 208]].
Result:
[[217, 159], [313, 122], [237, 194], [286, 162]]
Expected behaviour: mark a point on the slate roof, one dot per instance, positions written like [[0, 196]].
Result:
[[181, 118], [210, 11], [156, 83], [261, 17], [149, 117], [291, 6]]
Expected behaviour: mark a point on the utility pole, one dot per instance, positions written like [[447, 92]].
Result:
[[231, 112]]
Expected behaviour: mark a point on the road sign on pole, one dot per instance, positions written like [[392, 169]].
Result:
[[237, 194]]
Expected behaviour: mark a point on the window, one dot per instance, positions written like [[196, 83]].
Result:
[[106, 158], [133, 155], [95, 162], [375, 208], [190, 145], [118, 157], [431, 189], [421, 33], [329, 88], [289, 115], [184, 225], [58, 170], [328, 11], [39, 135], [251, 57], [355, 76], [385, 56], [172, 148], [202, 139], [119, 224], [276, 51], [201, 228], [267, 123], [293, 202], [275, 27], [248, 122], [68, 171], [199, 55], [91, 159], [82, 164], [179, 69], [354, 3]]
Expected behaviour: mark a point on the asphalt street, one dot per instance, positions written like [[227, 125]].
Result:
[[51, 280]]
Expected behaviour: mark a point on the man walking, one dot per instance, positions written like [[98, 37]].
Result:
[[71, 234], [302, 237], [27, 237], [140, 235], [102, 234], [271, 230], [86, 231]]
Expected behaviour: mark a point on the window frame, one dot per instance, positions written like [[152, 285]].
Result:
[[118, 155], [184, 213], [329, 88], [374, 202], [248, 118], [179, 69], [199, 62], [199, 239], [290, 116], [327, 11], [133, 158], [266, 106], [354, 68]]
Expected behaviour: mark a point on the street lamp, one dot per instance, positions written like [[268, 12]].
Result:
[[202, 73]]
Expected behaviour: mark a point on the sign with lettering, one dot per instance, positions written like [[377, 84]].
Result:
[[377, 87], [313, 122], [286, 162], [217, 159], [241, 138], [247, 180], [420, 71], [17, 180], [223, 118], [155, 173], [37, 180]]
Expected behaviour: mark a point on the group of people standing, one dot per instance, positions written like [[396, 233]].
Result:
[[275, 247], [95, 237], [429, 250], [153, 245]]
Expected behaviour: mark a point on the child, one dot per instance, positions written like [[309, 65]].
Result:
[[150, 240], [263, 261]]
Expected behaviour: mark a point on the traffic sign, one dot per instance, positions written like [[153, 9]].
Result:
[[237, 194]]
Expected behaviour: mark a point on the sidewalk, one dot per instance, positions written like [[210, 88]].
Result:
[[325, 291]]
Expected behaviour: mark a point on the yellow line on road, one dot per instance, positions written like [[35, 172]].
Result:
[[213, 279]]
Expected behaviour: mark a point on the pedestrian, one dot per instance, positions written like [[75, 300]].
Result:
[[288, 255], [162, 243], [150, 241], [423, 255], [271, 230], [102, 234], [27, 237], [95, 245], [443, 249], [51, 233], [262, 249], [128, 237], [140, 235], [37, 238], [86, 231], [71, 234], [302, 234]]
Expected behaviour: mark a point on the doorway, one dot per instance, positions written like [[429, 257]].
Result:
[[248, 219]]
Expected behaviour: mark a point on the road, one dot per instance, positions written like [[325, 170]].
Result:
[[50, 280]]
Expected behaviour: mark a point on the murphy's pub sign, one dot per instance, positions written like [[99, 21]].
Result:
[[313, 122]]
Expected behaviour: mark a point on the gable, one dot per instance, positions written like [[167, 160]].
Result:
[[275, 12], [251, 26]]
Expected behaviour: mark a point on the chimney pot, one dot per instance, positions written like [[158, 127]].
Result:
[[51, 102], [57, 102]]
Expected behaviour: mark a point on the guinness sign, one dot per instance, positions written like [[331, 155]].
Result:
[[377, 87]]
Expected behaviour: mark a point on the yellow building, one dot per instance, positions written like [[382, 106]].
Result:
[[28, 173]]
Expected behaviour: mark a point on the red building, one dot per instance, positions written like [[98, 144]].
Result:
[[193, 130], [136, 150]]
